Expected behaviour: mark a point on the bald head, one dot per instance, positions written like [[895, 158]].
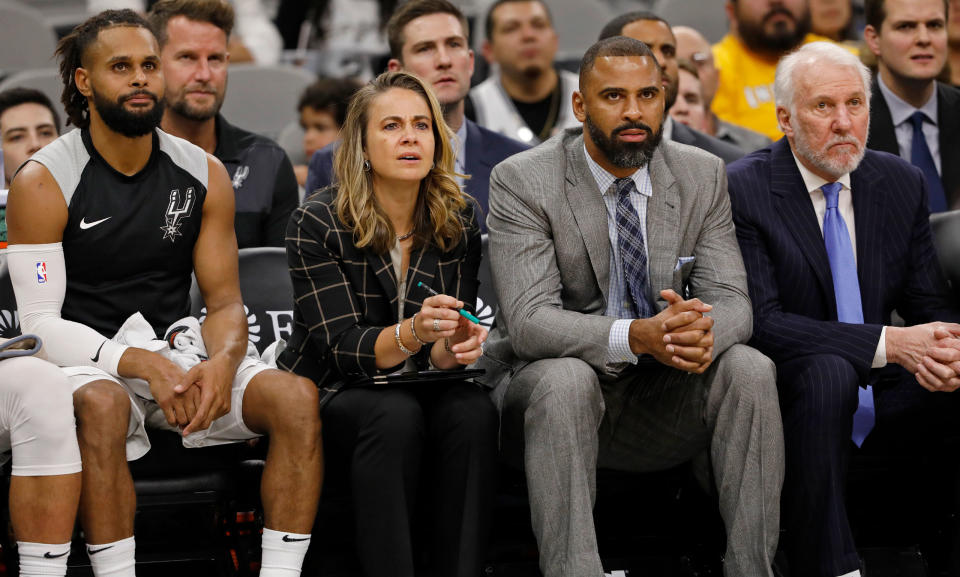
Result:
[[692, 46]]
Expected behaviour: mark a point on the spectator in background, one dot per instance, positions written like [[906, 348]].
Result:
[[953, 42], [833, 19], [527, 97], [655, 32], [430, 38], [193, 37], [761, 31], [256, 39], [688, 108], [322, 109], [28, 122], [692, 46], [911, 113]]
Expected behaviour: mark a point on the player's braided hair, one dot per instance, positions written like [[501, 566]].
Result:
[[71, 50]]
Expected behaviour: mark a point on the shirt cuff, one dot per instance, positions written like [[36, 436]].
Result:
[[619, 343], [880, 357]]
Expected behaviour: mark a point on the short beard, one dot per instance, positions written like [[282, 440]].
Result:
[[128, 123], [835, 167], [624, 154], [780, 41], [184, 109]]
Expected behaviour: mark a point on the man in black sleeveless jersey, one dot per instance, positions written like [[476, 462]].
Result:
[[193, 36], [109, 221]]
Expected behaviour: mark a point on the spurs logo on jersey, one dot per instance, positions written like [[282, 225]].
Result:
[[240, 175], [179, 208]]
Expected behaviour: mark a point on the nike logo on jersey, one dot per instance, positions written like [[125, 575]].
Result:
[[290, 539], [49, 555], [84, 225], [101, 549], [96, 358]]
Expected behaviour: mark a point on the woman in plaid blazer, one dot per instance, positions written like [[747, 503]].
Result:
[[357, 254]]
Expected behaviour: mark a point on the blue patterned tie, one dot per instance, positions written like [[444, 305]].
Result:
[[630, 243], [921, 158], [846, 288]]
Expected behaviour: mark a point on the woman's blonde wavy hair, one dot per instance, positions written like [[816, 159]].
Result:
[[438, 215]]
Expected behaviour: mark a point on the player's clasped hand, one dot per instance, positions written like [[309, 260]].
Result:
[[214, 381]]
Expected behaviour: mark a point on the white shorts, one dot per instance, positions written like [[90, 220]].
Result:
[[145, 412]]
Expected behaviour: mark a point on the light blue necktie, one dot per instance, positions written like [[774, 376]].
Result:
[[921, 157], [846, 287]]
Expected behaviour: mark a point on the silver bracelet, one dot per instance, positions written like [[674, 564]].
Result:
[[413, 329], [403, 349]]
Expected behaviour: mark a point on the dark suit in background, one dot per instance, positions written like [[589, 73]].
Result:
[[883, 137], [821, 362], [686, 135], [386, 440], [485, 149]]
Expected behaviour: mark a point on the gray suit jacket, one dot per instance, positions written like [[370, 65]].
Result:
[[550, 253]]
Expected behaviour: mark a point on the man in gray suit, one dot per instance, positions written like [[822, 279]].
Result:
[[596, 357]]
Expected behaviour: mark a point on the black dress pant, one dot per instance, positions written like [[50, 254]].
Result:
[[818, 397], [438, 441]]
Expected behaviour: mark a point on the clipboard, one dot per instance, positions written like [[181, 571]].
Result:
[[410, 378], [405, 379]]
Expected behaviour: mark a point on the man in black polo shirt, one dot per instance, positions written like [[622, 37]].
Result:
[[193, 39]]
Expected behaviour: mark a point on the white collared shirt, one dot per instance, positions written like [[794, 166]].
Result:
[[812, 182]]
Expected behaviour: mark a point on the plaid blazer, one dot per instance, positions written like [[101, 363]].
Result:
[[344, 296]]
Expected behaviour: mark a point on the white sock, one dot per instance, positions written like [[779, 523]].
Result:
[[43, 558], [113, 559], [283, 553], [854, 573]]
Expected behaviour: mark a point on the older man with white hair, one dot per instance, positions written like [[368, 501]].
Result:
[[834, 238]]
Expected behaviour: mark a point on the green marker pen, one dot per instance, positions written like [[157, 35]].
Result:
[[463, 312]]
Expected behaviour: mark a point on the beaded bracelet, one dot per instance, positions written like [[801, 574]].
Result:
[[413, 329], [403, 349]]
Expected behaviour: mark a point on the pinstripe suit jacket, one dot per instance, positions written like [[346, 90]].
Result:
[[791, 286], [344, 296], [550, 253]]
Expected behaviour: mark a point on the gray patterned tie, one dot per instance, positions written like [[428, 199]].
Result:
[[630, 243]]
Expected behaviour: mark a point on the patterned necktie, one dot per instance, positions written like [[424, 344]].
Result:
[[921, 157], [846, 288], [633, 254]]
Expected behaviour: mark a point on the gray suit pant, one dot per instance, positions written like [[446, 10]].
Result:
[[656, 417]]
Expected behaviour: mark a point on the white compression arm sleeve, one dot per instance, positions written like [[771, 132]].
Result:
[[39, 277]]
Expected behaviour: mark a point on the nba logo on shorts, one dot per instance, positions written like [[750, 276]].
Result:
[[41, 272]]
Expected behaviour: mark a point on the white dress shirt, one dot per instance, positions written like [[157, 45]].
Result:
[[845, 206]]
